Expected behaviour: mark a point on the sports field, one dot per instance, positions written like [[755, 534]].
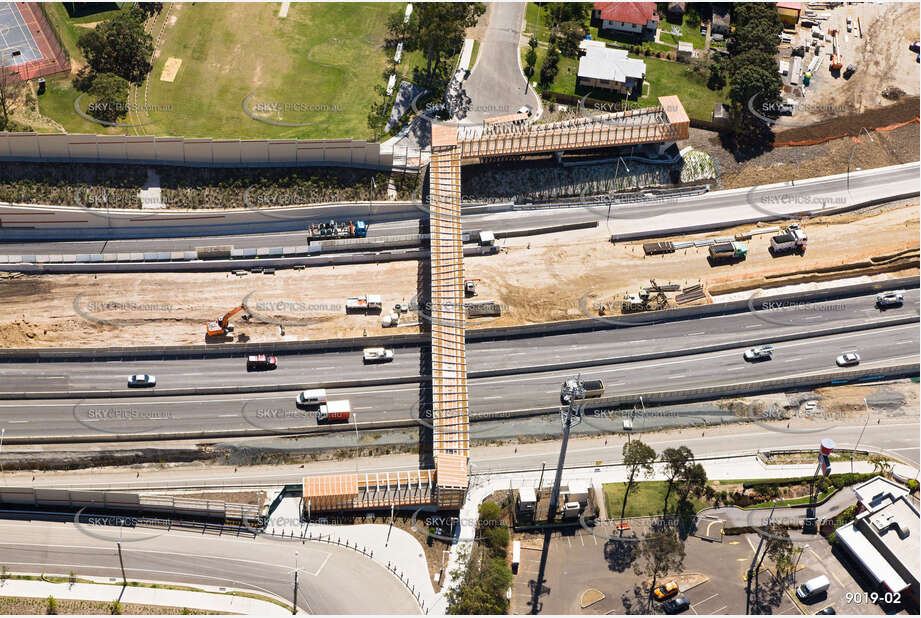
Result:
[[244, 72], [317, 69]]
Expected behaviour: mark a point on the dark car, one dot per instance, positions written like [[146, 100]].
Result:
[[676, 605], [260, 363], [828, 611]]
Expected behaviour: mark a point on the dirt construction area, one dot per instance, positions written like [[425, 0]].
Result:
[[536, 279], [881, 56]]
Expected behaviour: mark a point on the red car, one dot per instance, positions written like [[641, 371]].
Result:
[[260, 363]]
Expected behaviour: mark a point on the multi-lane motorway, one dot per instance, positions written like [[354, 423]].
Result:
[[252, 229], [183, 414]]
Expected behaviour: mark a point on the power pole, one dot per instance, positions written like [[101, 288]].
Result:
[[122, 563]]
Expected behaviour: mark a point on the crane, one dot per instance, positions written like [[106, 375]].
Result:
[[221, 327]]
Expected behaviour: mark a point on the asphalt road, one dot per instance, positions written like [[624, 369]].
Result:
[[718, 207], [332, 580], [881, 347], [497, 87], [481, 355]]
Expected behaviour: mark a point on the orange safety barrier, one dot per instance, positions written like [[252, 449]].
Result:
[[813, 142], [896, 126]]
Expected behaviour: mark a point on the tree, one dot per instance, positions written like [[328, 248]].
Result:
[[481, 586], [693, 481], [556, 13], [881, 465], [150, 8], [51, 605], [549, 68], [638, 459], [437, 28], [659, 554], [532, 42], [10, 89], [110, 95], [676, 461], [115, 608], [717, 79], [119, 46], [530, 59], [568, 36]]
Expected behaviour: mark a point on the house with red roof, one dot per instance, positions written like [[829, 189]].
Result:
[[636, 18]]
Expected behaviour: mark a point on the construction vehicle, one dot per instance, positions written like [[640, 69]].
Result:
[[334, 412], [592, 388], [370, 303], [850, 70], [337, 229], [483, 308], [222, 327], [792, 238], [470, 287], [728, 251], [836, 62], [646, 299]]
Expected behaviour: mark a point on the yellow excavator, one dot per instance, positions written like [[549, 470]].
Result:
[[222, 327]]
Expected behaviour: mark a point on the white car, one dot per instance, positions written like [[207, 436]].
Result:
[[141, 380], [890, 299], [524, 109], [377, 355], [847, 359], [764, 352]]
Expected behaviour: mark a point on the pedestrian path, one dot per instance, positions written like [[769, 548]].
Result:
[[214, 600]]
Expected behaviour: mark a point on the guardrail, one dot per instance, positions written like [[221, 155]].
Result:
[[483, 334]]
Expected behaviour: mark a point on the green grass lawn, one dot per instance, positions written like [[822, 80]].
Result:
[[318, 68], [690, 32], [647, 499], [534, 23]]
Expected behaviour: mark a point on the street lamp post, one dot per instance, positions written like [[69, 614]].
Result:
[[867, 406], [796, 564]]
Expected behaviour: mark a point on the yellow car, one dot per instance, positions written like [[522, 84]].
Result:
[[665, 590]]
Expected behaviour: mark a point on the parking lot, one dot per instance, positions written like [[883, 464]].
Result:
[[578, 561], [819, 559]]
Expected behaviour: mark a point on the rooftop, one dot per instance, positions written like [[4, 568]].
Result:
[[627, 12], [602, 62], [878, 492]]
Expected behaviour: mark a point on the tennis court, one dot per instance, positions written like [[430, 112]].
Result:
[[17, 45]]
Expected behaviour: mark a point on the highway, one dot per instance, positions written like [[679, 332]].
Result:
[[332, 580], [878, 348], [250, 228], [321, 367]]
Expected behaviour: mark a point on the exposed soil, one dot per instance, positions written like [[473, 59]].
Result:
[[534, 279], [13, 606]]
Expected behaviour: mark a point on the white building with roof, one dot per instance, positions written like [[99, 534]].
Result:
[[608, 68], [884, 537]]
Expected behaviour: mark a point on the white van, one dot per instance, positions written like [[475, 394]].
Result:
[[312, 398], [812, 588], [516, 556]]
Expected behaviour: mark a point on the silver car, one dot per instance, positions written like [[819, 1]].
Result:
[[847, 359]]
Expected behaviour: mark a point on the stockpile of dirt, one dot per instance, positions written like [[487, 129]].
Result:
[[905, 110]]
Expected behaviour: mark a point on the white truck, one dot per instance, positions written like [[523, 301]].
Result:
[[371, 303], [792, 238], [377, 355]]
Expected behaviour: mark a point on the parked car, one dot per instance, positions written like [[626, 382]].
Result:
[[142, 380], [764, 352], [261, 362], [890, 299], [676, 605], [828, 611], [847, 359], [665, 591], [813, 588]]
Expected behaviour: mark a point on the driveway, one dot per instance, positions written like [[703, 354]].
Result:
[[497, 86]]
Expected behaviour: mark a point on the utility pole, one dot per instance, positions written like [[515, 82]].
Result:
[[2, 433], [122, 563], [866, 405], [751, 567], [294, 604]]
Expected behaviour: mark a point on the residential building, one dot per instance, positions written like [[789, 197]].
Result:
[[883, 540], [608, 68], [720, 22], [636, 18]]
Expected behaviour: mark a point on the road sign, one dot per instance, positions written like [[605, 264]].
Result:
[[824, 464]]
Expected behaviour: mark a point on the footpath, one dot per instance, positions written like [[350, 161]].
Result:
[[213, 599]]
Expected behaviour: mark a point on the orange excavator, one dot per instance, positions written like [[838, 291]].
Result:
[[836, 60], [222, 327]]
